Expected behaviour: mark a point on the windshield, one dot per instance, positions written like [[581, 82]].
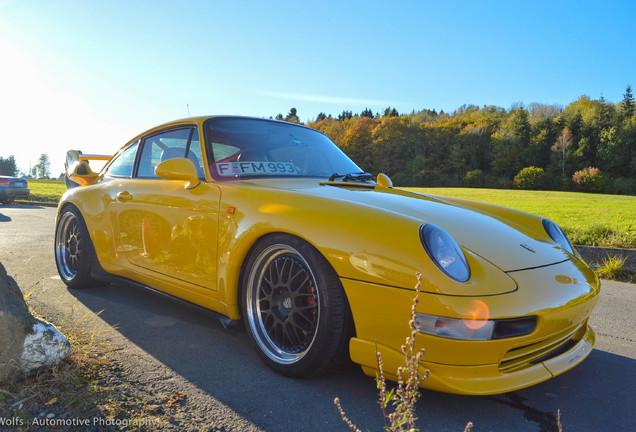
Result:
[[244, 147]]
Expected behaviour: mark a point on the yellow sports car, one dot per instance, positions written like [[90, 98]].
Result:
[[270, 225]]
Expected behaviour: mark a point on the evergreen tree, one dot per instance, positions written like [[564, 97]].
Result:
[[366, 113], [605, 114], [345, 115], [520, 126], [292, 116], [628, 103], [391, 112], [8, 166]]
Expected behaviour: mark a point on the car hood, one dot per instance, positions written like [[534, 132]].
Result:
[[509, 244]]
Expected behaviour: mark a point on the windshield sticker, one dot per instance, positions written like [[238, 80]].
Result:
[[233, 169]]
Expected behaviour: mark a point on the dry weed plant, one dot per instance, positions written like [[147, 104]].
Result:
[[403, 398], [612, 268]]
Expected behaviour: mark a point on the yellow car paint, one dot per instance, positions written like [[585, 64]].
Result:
[[191, 240]]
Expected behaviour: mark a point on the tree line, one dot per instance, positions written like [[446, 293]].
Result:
[[8, 167], [489, 146], [589, 142]]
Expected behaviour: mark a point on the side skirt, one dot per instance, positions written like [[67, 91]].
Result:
[[98, 273]]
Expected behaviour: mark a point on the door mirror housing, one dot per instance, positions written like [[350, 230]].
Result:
[[179, 169]]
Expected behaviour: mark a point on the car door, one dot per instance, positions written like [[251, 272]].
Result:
[[165, 230]]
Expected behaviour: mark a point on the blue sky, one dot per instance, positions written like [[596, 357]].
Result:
[[90, 75]]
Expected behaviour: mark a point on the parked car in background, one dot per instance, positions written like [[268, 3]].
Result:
[[12, 188]]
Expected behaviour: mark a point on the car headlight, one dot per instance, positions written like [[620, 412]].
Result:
[[445, 252], [453, 328], [557, 234], [474, 328]]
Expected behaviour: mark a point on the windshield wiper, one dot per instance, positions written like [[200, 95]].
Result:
[[361, 176]]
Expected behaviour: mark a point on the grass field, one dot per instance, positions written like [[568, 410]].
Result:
[[46, 190], [587, 219]]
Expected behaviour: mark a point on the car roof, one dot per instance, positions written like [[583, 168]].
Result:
[[201, 119]]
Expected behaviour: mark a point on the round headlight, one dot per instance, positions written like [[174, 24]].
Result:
[[445, 252], [557, 234]]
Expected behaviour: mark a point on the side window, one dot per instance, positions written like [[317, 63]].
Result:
[[123, 165], [161, 147]]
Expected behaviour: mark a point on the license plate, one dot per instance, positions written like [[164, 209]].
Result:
[[18, 184]]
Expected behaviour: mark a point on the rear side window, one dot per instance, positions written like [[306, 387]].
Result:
[[123, 165]]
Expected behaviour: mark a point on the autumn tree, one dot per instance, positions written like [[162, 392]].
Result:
[[393, 145], [357, 142]]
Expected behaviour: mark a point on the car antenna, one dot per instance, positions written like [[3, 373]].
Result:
[[188, 107]]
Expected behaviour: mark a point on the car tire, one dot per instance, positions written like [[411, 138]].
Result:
[[74, 251], [294, 307]]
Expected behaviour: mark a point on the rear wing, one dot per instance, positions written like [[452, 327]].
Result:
[[78, 171]]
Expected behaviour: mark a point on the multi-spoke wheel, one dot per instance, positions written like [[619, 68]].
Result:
[[73, 249], [294, 307]]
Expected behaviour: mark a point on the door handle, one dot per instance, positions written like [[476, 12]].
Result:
[[124, 196]]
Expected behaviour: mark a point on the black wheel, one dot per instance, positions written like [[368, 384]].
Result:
[[294, 307], [73, 249]]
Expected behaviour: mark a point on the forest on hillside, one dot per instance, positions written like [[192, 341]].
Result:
[[589, 145]]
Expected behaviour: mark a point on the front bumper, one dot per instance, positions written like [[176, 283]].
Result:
[[477, 379], [561, 296]]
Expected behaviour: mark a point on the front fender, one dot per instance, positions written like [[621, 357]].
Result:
[[360, 242]]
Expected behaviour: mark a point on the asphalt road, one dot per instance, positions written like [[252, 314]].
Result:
[[173, 347]]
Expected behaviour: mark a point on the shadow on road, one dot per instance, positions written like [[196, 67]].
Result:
[[4, 218], [597, 395], [23, 206]]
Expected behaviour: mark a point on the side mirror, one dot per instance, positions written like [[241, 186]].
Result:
[[384, 180], [179, 169]]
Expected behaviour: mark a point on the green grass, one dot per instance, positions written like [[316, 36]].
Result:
[[587, 219], [46, 190]]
